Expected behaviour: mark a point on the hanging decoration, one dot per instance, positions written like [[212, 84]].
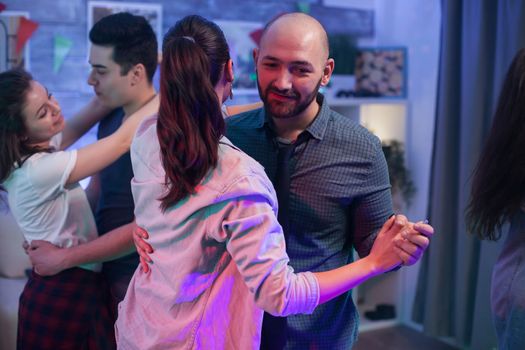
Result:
[[62, 47], [256, 36], [26, 28], [303, 6], [2, 6]]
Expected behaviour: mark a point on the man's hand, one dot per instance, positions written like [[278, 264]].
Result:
[[143, 248], [47, 259]]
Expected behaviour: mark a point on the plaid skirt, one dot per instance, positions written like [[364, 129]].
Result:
[[65, 311]]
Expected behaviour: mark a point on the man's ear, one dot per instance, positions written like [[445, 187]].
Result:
[[255, 54], [138, 73], [327, 71]]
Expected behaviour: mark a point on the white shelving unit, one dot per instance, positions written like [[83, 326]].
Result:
[[388, 119]]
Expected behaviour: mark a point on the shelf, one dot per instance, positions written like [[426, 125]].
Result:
[[366, 325]]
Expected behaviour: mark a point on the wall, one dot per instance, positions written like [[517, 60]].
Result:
[[68, 18], [416, 25], [410, 23]]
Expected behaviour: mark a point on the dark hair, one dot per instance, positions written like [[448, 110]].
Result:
[[14, 86], [498, 186], [132, 39], [190, 122]]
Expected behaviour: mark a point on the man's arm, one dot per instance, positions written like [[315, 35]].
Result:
[[374, 207], [49, 259], [84, 120]]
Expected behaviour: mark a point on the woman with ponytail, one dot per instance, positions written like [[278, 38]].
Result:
[[210, 211]]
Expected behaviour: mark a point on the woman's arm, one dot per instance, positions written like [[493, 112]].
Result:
[[232, 110], [94, 157], [398, 242], [49, 259], [247, 222], [84, 120]]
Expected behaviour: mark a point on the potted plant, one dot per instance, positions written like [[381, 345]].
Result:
[[403, 189]]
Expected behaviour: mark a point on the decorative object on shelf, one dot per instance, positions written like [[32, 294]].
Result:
[[340, 86], [402, 184], [381, 72], [381, 312]]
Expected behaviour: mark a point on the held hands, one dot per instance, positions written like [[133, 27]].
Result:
[[414, 240], [399, 242]]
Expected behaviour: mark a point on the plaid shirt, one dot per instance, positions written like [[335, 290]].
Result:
[[339, 199]]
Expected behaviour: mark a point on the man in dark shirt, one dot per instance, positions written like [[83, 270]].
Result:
[[119, 42], [337, 192], [329, 173], [123, 57]]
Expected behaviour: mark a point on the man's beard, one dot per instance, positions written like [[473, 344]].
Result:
[[285, 110]]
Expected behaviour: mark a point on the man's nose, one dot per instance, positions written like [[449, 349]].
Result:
[[284, 80], [91, 80]]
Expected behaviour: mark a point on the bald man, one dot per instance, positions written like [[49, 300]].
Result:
[[329, 173], [336, 194]]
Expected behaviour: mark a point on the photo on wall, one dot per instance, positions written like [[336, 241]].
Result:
[[381, 72], [152, 12]]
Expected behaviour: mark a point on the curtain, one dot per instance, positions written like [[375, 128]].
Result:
[[478, 41]]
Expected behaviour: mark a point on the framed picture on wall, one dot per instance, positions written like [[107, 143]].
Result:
[[152, 12], [241, 50], [381, 72], [9, 26]]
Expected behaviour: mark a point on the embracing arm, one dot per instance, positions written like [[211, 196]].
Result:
[[84, 120], [94, 157], [398, 242], [49, 259], [256, 243]]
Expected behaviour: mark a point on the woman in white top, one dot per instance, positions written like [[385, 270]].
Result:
[[41, 180]]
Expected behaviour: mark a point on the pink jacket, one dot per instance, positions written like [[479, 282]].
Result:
[[219, 257]]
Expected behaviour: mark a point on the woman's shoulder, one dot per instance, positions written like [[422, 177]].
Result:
[[237, 169], [146, 126]]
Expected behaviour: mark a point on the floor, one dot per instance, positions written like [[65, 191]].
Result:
[[398, 338]]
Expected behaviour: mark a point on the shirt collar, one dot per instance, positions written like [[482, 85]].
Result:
[[316, 129]]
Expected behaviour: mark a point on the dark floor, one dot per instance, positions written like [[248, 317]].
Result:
[[398, 338]]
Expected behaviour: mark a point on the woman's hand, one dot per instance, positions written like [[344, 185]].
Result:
[[47, 259], [385, 255], [143, 248]]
